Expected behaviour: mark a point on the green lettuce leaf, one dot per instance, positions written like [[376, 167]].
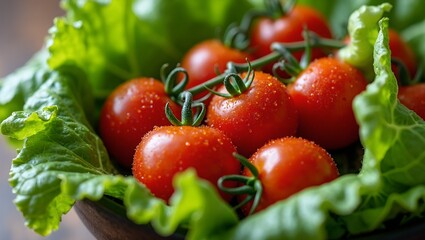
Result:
[[63, 160], [57, 137], [116, 40], [389, 185], [392, 136], [363, 29], [406, 17]]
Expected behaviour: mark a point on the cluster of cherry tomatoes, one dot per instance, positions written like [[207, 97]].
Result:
[[283, 119]]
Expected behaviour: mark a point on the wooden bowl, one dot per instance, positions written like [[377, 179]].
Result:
[[105, 219]]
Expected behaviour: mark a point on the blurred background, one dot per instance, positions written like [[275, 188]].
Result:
[[23, 29]]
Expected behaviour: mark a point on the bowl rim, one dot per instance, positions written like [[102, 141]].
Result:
[[88, 210], [413, 229]]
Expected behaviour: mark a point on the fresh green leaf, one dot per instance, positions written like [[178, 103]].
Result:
[[393, 134], [387, 186], [58, 139], [116, 40], [363, 29], [63, 160], [195, 204], [406, 17], [305, 215]]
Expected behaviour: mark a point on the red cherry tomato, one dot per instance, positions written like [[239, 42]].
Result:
[[323, 95], [288, 28], [264, 112], [168, 150], [413, 97], [132, 109], [208, 58], [288, 165], [402, 51]]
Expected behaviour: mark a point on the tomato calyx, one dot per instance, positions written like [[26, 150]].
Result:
[[289, 64], [238, 85], [249, 186], [188, 118]]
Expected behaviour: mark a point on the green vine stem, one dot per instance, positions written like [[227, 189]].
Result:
[[315, 41], [276, 9], [188, 118], [306, 57], [238, 85], [289, 64], [403, 74], [173, 87], [251, 186], [237, 36]]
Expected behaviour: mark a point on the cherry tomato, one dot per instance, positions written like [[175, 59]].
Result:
[[413, 97], [323, 95], [264, 112], [288, 165], [208, 58], [170, 149], [288, 28], [402, 51], [132, 109]]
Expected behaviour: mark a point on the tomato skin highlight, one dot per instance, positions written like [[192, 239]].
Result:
[[206, 58], [264, 112], [413, 97], [170, 149], [323, 95], [133, 109], [287, 166]]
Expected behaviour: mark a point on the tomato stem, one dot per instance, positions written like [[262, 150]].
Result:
[[251, 186], [238, 86], [172, 87], [306, 57], [188, 118], [249, 18], [289, 64], [277, 53], [245, 162], [275, 8], [403, 73], [236, 37]]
